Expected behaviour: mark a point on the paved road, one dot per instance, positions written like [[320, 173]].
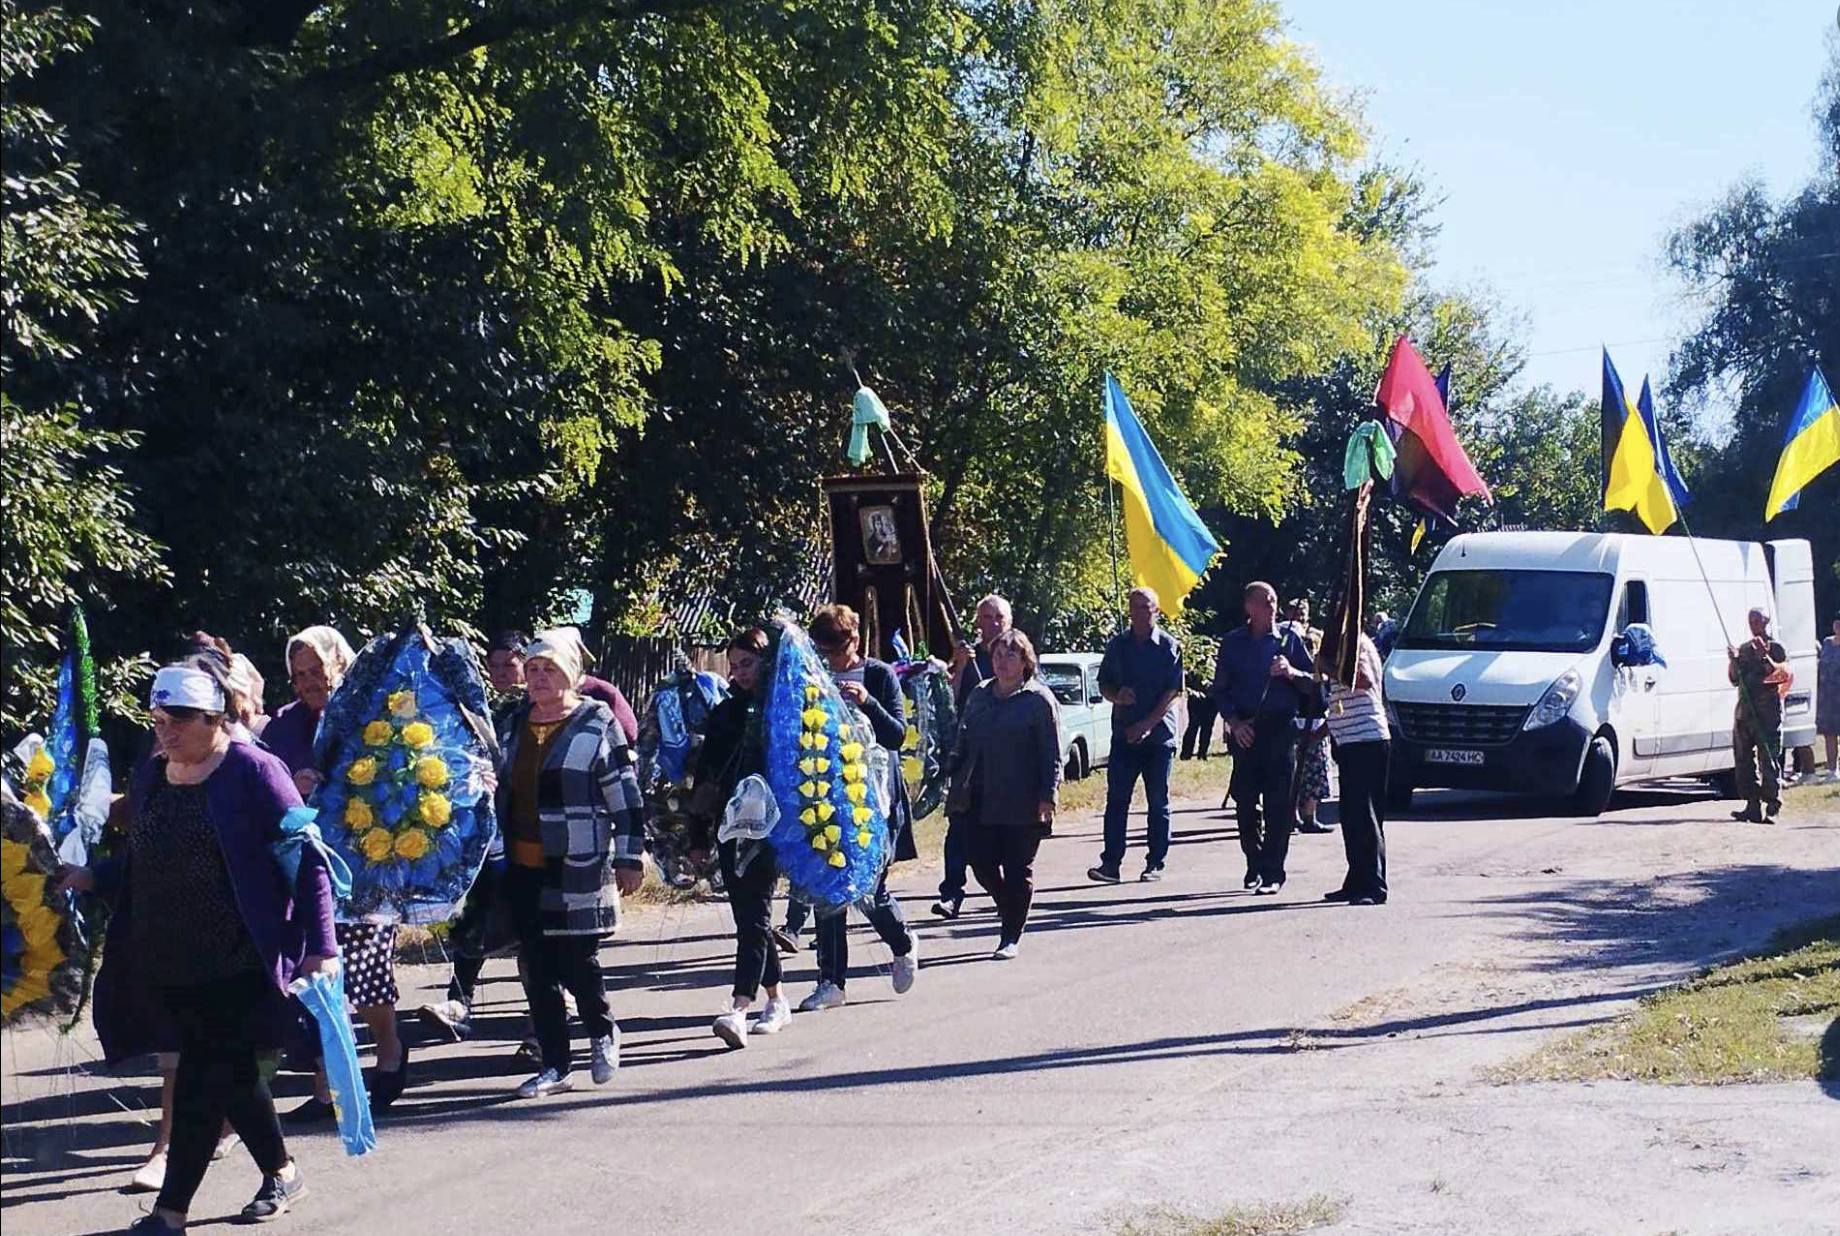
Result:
[[1180, 1043]]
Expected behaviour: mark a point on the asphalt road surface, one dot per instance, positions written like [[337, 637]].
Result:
[[1179, 1043]]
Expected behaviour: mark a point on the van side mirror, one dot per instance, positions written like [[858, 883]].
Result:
[[1619, 652]]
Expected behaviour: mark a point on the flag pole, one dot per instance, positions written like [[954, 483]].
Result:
[[1111, 507]]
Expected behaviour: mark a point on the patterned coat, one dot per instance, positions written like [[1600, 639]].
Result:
[[590, 815]]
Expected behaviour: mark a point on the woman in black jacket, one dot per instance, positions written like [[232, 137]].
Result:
[[748, 870], [872, 687], [1006, 774]]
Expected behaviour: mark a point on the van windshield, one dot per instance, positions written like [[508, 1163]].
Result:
[[1066, 681], [1533, 611]]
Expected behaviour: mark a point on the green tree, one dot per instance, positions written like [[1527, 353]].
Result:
[[67, 519], [1768, 277]]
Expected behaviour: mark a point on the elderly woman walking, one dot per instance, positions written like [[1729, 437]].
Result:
[[569, 804], [1006, 774], [317, 659], [207, 934]]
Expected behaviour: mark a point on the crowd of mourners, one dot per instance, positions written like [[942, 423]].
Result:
[[206, 936]]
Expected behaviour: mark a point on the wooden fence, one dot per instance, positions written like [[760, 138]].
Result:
[[636, 664]]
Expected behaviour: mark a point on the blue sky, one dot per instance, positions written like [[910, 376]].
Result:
[[1567, 138]]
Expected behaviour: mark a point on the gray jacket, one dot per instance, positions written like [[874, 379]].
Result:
[[1007, 760]]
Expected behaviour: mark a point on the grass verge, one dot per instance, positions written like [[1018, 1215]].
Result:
[[1769, 1017], [1270, 1219], [1811, 802]]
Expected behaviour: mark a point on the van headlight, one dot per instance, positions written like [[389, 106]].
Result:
[[1557, 701]]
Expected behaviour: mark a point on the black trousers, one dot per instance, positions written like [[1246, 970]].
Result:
[[884, 914], [1003, 860], [1202, 714], [1262, 775], [219, 1078], [750, 897], [552, 963], [466, 978], [1365, 768], [952, 882]]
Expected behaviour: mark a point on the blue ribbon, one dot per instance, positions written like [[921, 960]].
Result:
[[299, 832]]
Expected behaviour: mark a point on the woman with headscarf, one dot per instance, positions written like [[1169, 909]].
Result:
[[207, 934], [569, 804], [748, 871], [317, 659]]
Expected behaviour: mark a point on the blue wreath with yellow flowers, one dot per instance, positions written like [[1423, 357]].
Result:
[[831, 841]]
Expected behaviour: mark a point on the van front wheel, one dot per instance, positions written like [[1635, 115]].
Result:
[[1597, 783]]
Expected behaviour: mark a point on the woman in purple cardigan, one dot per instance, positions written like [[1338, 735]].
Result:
[[206, 936]]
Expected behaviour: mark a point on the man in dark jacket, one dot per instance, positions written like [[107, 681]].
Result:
[[1141, 674], [970, 666], [1260, 676]]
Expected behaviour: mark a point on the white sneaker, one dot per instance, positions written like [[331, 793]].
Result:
[[827, 996], [604, 1057], [903, 969], [732, 1028], [1005, 951], [152, 1176], [775, 1016], [225, 1145], [546, 1082]]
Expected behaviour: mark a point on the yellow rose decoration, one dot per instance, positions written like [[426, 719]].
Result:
[[862, 838], [826, 811], [805, 741], [39, 802], [431, 771], [363, 771], [39, 766], [377, 845], [857, 791], [435, 810], [12, 859], [851, 752], [808, 818], [813, 717], [832, 832], [402, 704], [818, 842], [412, 844], [852, 772], [820, 741], [837, 858], [861, 814], [910, 769], [357, 814], [813, 692], [378, 733], [808, 766], [418, 733], [808, 789]]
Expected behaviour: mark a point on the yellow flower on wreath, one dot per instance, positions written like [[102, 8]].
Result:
[[377, 844], [357, 814], [378, 733], [431, 771], [362, 771], [401, 704], [40, 766], [434, 809], [40, 802], [411, 844], [418, 733], [37, 924]]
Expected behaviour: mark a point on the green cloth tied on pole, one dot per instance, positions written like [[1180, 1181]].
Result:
[[1370, 454], [866, 410]]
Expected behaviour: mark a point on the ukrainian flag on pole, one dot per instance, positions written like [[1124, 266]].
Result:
[[1638, 474], [1810, 446], [1169, 545]]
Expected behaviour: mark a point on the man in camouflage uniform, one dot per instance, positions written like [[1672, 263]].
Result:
[[1757, 669]]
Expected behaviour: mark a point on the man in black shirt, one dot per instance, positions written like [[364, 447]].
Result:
[[1260, 676]]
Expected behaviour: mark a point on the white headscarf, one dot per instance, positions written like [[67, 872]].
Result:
[[562, 647], [335, 654]]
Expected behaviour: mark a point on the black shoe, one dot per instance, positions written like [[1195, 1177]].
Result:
[[1151, 874], [784, 941], [1340, 894], [1103, 874], [1750, 815], [313, 1111], [1252, 879], [151, 1225], [1770, 811], [386, 1088], [1311, 826], [947, 907], [274, 1197]]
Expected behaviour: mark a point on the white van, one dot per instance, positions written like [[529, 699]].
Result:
[[1503, 677], [1086, 715]]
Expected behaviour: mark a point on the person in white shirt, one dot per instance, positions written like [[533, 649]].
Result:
[[1363, 747]]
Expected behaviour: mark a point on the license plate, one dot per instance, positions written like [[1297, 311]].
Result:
[[1450, 755]]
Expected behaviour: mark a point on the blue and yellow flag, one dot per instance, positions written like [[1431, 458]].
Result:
[[1169, 545], [1639, 475], [1811, 445]]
